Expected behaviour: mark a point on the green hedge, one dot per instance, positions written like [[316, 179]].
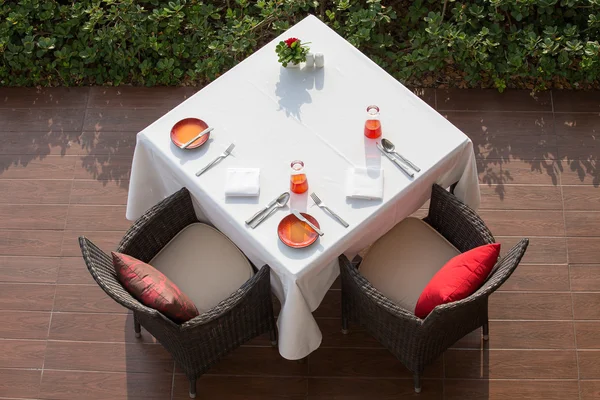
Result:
[[524, 43]]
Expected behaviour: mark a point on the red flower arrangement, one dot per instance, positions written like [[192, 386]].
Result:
[[291, 50]]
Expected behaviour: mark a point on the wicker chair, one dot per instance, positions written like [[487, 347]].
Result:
[[417, 342], [197, 344]]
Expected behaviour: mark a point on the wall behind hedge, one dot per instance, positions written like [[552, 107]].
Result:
[[499, 43]]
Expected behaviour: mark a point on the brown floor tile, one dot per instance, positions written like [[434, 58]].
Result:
[[98, 192], [511, 197], [589, 364], [108, 357], [516, 147], [511, 364], [22, 353], [105, 168], [331, 306], [57, 97], [586, 305], [512, 389], [28, 167], [20, 383], [261, 361], [84, 298], [584, 250], [582, 223], [41, 119], [525, 223], [26, 297], [575, 101], [590, 390], [585, 277], [538, 278], [379, 389], [128, 97], [34, 191], [587, 334], [14, 216], [544, 306], [113, 143], [95, 328], [577, 136], [107, 241], [97, 218], [72, 270], [39, 144], [242, 388], [425, 94], [491, 99], [27, 243], [121, 119], [584, 198], [363, 363], [76, 385], [541, 250], [577, 172], [531, 335], [24, 325], [28, 269], [492, 124], [333, 337], [498, 172]]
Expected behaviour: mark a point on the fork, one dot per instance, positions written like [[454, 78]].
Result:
[[322, 205], [216, 160]]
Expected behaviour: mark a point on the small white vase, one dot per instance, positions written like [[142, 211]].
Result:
[[293, 65]]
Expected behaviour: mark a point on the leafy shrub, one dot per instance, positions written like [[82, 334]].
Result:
[[499, 43]]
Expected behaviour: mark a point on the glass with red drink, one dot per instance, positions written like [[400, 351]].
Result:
[[373, 124], [298, 182]]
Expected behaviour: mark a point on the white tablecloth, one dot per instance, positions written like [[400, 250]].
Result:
[[275, 115]]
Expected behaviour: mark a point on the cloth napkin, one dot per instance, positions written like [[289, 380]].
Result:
[[242, 182], [364, 183]]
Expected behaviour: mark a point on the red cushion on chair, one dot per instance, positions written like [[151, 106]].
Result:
[[153, 289], [458, 278]]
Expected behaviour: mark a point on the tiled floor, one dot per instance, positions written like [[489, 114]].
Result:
[[65, 159]]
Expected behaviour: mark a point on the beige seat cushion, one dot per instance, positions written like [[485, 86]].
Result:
[[402, 262], [205, 264]]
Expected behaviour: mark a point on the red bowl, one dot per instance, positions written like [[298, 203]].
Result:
[[186, 129], [295, 233]]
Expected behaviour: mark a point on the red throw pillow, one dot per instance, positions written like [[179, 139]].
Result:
[[458, 279], [153, 289]]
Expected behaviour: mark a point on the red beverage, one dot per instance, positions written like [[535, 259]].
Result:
[[373, 128], [373, 124], [298, 183]]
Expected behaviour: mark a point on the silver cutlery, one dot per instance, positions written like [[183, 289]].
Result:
[[265, 212], [322, 205], [226, 153], [301, 218], [204, 132], [392, 159], [390, 148]]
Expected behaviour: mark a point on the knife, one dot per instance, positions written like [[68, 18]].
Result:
[[301, 218], [392, 159], [204, 132], [261, 211]]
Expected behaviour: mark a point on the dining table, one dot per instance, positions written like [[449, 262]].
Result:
[[275, 115]]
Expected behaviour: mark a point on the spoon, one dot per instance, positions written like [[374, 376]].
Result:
[[279, 203], [390, 148]]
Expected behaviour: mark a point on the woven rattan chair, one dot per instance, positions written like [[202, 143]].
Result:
[[417, 342], [199, 343]]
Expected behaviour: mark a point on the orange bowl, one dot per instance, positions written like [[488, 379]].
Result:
[[295, 233], [186, 129]]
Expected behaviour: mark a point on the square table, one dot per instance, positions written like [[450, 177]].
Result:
[[276, 115]]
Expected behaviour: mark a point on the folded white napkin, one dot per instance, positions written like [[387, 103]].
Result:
[[364, 183], [242, 182]]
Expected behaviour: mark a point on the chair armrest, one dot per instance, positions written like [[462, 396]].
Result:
[[457, 222], [153, 230], [258, 287]]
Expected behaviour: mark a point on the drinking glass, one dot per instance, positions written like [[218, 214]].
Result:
[[298, 182], [373, 124]]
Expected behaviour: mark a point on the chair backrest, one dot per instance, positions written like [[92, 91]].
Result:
[[101, 268]]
